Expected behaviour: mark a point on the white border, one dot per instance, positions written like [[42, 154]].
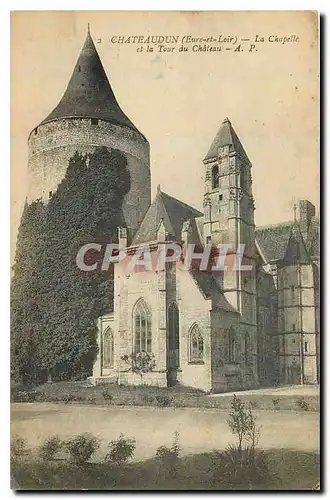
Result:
[[5, 8]]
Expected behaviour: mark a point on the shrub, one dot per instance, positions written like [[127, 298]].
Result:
[[245, 467], [50, 447], [275, 402], [107, 396], [169, 456], [24, 396], [163, 400], [82, 447], [91, 400], [120, 450], [302, 404], [18, 447], [243, 423]]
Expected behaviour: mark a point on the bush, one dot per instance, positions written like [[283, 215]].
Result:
[[91, 400], [120, 450], [243, 423], [163, 400], [169, 457], [302, 404], [107, 396], [82, 447], [245, 467], [275, 402], [50, 447], [18, 448], [24, 396]]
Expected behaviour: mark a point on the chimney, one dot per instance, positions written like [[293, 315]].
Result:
[[306, 214]]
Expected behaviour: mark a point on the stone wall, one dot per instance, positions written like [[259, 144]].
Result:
[[52, 144]]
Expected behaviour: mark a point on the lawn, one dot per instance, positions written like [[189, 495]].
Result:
[[291, 470], [178, 396]]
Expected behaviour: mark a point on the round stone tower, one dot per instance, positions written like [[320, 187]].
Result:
[[88, 116]]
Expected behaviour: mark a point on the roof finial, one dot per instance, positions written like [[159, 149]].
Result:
[[158, 188], [88, 29]]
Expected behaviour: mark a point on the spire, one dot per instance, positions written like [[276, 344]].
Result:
[[226, 136], [296, 251], [89, 93]]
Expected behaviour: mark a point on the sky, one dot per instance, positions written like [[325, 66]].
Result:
[[179, 100]]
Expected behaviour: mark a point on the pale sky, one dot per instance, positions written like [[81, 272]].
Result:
[[178, 100]]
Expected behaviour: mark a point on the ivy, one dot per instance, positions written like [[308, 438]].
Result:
[[55, 305]]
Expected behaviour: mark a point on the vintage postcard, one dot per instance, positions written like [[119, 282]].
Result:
[[165, 284]]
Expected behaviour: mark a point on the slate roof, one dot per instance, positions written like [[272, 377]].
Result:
[[173, 213], [226, 136], [296, 250], [273, 240], [206, 283], [89, 93]]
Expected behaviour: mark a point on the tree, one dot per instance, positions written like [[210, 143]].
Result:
[[86, 208], [140, 362], [243, 423], [26, 294]]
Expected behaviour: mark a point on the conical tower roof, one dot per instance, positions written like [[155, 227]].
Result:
[[296, 250], [89, 93], [226, 136]]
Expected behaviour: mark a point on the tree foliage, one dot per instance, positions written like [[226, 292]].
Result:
[[55, 304]]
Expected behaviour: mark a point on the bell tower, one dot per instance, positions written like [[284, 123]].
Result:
[[229, 219]]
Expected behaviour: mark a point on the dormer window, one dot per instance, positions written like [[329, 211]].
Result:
[[35, 132], [79, 68], [220, 197], [94, 121]]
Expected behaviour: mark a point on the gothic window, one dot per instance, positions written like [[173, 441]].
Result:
[[108, 349], [231, 346], [215, 176], [142, 327], [196, 345], [306, 347]]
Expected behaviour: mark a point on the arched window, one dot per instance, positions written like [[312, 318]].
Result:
[[196, 345], [142, 327], [231, 346], [108, 348], [247, 349], [215, 176]]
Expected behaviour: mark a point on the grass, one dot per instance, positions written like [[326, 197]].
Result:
[[292, 470], [177, 396]]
